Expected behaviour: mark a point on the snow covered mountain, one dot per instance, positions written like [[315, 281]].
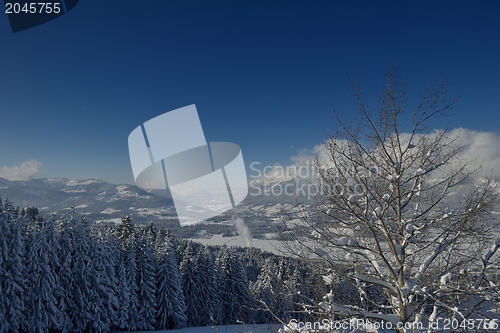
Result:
[[261, 210], [99, 199], [108, 202]]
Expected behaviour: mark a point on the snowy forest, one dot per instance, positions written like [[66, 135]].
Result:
[[405, 232], [70, 274]]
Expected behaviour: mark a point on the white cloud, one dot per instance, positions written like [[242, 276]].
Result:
[[23, 172], [309, 155], [483, 147]]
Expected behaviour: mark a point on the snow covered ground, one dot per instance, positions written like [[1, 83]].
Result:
[[223, 329]]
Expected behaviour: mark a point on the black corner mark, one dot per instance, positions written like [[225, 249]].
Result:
[[25, 14]]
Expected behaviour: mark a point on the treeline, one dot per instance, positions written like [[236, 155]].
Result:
[[70, 274]]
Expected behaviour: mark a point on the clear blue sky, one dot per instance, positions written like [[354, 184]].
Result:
[[263, 74]]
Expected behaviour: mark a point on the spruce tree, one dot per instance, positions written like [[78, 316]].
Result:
[[266, 290], [103, 280], [235, 293], [85, 297], [41, 301], [206, 280], [190, 288], [131, 280], [65, 298], [146, 280], [170, 297], [12, 270], [123, 292]]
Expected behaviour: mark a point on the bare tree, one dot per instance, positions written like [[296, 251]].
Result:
[[401, 219]]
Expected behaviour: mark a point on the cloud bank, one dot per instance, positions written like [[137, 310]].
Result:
[[25, 171], [481, 147]]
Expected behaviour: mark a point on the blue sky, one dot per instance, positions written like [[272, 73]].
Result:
[[263, 74]]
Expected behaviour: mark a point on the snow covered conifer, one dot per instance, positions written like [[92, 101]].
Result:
[[125, 230], [146, 279], [234, 288], [65, 230], [266, 290], [12, 271], [190, 287], [208, 286], [123, 293], [131, 273], [41, 295], [170, 299], [84, 295], [104, 282]]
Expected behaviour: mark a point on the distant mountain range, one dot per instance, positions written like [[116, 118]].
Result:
[[107, 202], [102, 201]]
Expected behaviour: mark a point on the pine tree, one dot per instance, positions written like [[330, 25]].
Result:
[[283, 310], [65, 301], [4, 247], [128, 275], [300, 294], [125, 230], [190, 288], [150, 234], [54, 262], [84, 296], [125, 272], [146, 269], [131, 280], [206, 280], [104, 279], [17, 275], [234, 284], [123, 293], [170, 297], [266, 290], [219, 280], [41, 301]]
